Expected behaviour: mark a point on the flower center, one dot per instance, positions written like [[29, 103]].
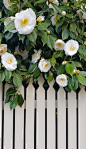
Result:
[[56, 19], [21, 52], [9, 1], [34, 54], [62, 79], [59, 44], [72, 48], [24, 22], [46, 65], [9, 61]]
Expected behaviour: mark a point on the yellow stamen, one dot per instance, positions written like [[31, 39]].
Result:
[[9, 1], [46, 65], [24, 22], [59, 44], [34, 54], [21, 52], [9, 61], [62, 79], [56, 19], [72, 48]]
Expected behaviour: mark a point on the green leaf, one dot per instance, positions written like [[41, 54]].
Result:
[[50, 77], [72, 35], [8, 35], [14, 8], [22, 68], [69, 68], [1, 36], [2, 76], [10, 91], [32, 68], [32, 37], [69, 15], [65, 34], [77, 64], [22, 37], [30, 6], [10, 26], [14, 1], [44, 38], [81, 79], [59, 22], [39, 2], [53, 61], [17, 81], [60, 70], [42, 26], [73, 27], [8, 75], [20, 100], [50, 41], [13, 104], [83, 73], [57, 8], [8, 98], [36, 73]]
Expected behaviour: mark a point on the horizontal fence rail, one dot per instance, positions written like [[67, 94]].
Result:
[[49, 119]]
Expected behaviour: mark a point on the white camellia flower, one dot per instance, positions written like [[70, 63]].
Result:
[[62, 80], [25, 21], [40, 19], [24, 53], [36, 56], [9, 61], [44, 65], [50, 6], [71, 47], [7, 3], [3, 49], [7, 21], [59, 45], [54, 20], [84, 13]]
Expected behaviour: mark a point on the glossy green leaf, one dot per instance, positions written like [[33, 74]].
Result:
[[17, 81], [69, 68]]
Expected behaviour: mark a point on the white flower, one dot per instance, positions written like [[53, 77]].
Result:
[[62, 80], [3, 49], [71, 47], [7, 21], [84, 13], [54, 20], [24, 53], [44, 65], [63, 13], [40, 19], [7, 3], [59, 45], [25, 21], [50, 6], [36, 56], [9, 61]]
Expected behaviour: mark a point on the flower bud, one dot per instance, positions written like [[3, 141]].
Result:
[[78, 71], [64, 62], [74, 71], [50, 1], [40, 19], [63, 13], [48, 32], [85, 43]]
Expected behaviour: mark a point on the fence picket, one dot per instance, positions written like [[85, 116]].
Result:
[[51, 117], [82, 119], [19, 124], [61, 113], [72, 121], [30, 117], [0, 114], [8, 124], [40, 115]]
